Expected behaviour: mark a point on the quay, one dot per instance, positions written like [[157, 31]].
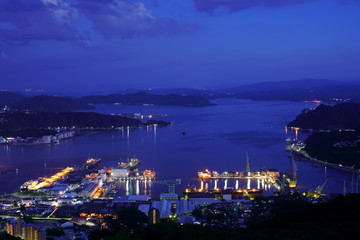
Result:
[[269, 175], [9, 170], [283, 182]]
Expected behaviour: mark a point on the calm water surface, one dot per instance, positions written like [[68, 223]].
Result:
[[216, 138]]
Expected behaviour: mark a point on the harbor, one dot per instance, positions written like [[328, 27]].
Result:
[[89, 180]]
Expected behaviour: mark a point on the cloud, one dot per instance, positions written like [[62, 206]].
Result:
[[24, 20], [6, 58], [232, 6], [37, 20], [125, 18]]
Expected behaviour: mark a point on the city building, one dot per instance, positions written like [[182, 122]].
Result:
[[33, 232], [18, 228], [15, 227], [119, 172], [154, 216]]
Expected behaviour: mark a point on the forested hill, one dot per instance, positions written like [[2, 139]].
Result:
[[338, 147], [338, 220], [323, 93], [142, 98], [43, 120], [340, 116], [44, 103], [9, 98]]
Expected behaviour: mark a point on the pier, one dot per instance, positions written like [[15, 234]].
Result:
[[262, 175], [270, 175], [3, 171], [284, 182]]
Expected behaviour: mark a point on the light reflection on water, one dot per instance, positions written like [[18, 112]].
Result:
[[212, 137], [133, 187], [212, 184]]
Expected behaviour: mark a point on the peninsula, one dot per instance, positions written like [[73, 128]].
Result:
[[340, 116]]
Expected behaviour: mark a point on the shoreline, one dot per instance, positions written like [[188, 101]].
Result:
[[302, 156], [86, 132]]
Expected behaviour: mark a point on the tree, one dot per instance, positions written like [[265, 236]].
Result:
[[22, 209], [197, 213], [8, 237], [131, 218], [55, 232], [101, 234], [27, 219]]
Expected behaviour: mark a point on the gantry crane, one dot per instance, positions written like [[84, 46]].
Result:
[[171, 183]]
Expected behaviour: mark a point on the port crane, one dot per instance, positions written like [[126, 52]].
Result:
[[247, 171], [318, 190], [171, 183], [293, 178]]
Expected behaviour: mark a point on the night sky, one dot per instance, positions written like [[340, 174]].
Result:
[[93, 45]]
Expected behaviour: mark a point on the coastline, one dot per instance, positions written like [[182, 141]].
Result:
[[305, 157]]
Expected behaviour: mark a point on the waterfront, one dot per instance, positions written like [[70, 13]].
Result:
[[210, 137]]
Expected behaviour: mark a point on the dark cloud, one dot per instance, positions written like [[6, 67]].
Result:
[[126, 19], [25, 20], [233, 6]]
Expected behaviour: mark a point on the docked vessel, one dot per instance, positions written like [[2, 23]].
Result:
[[92, 163], [149, 174], [130, 164], [46, 181], [29, 183]]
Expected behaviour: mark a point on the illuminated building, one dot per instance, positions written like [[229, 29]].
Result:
[[18, 228], [15, 227], [169, 196], [33, 232], [173, 208], [119, 172], [89, 189], [154, 216]]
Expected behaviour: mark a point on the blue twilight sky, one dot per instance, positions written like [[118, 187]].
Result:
[[93, 45]]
